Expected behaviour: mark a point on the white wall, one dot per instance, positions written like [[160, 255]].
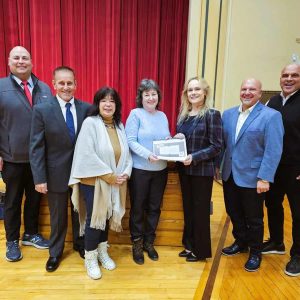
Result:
[[261, 37]]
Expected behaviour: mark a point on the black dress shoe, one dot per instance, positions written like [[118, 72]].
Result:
[[52, 264], [193, 258], [234, 249], [184, 253]]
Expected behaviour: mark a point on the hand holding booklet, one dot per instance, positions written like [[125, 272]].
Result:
[[172, 149]]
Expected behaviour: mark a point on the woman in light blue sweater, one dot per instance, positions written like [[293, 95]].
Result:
[[144, 125]]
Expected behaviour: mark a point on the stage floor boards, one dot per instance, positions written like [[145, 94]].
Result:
[[169, 278]]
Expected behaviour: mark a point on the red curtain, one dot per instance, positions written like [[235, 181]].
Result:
[[107, 42]]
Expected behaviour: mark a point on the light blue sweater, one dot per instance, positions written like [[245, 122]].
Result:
[[142, 128]]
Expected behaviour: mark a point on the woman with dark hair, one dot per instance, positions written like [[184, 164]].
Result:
[[202, 129], [149, 174], [101, 167]]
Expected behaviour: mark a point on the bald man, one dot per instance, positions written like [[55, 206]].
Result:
[[287, 178], [19, 92], [253, 137]]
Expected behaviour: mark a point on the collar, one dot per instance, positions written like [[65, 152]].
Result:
[[19, 81], [62, 103], [288, 96], [248, 110]]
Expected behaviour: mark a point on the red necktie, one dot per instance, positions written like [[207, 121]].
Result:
[[27, 92]]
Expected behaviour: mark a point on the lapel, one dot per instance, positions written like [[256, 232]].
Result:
[[80, 115], [253, 115], [192, 128], [60, 119], [22, 97], [234, 120]]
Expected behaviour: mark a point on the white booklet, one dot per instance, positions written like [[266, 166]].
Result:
[[172, 149]]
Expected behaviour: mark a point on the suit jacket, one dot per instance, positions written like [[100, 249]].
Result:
[[16, 115], [51, 148], [257, 150], [204, 142], [291, 121]]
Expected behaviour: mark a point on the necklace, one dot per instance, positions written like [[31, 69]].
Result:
[[110, 126]]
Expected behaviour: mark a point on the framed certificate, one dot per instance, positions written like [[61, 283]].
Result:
[[172, 149]]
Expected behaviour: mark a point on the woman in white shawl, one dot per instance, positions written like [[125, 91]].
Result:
[[100, 170]]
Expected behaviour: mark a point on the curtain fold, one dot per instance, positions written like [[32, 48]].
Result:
[[107, 42]]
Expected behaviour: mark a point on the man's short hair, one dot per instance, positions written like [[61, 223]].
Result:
[[63, 68]]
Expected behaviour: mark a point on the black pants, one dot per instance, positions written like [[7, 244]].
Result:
[[146, 194], [196, 195], [18, 178], [245, 209], [92, 236], [58, 207], [285, 183]]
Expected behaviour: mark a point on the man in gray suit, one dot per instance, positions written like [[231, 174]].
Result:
[[55, 126], [19, 93]]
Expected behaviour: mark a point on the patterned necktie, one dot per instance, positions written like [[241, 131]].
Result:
[[27, 92], [70, 122]]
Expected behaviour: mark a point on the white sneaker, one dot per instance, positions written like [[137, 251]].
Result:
[[106, 262], [91, 264]]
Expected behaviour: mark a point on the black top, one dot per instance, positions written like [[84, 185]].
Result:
[[291, 121]]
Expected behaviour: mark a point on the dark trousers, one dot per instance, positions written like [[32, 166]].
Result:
[[92, 236], [58, 206], [285, 183], [245, 209], [196, 195], [146, 193], [18, 178]]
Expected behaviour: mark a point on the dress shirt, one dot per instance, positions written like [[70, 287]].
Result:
[[242, 118], [285, 99], [63, 108], [29, 80]]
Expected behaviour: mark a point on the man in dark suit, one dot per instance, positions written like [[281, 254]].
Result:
[[19, 92], [253, 137], [287, 178], [55, 126]]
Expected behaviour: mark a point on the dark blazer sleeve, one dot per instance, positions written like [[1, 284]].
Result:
[[37, 148], [214, 137]]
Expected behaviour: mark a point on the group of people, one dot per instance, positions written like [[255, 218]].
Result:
[[65, 148]]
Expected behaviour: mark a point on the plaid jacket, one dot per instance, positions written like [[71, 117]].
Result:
[[204, 142]]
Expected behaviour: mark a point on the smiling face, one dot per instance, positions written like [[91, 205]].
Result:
[[65, 84], [107, 107], [150, 100], [290, 79], [250, 92], [20, 63], [196, 93]]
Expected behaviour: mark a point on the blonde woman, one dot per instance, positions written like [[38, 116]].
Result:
[[202, 129]]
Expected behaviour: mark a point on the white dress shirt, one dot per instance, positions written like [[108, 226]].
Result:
[[242, 118], [29, 80], [63, 108], [285, 99]]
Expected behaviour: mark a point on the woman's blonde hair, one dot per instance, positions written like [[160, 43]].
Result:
[[186, 106]]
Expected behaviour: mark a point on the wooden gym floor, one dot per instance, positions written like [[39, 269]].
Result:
[[169, 278]]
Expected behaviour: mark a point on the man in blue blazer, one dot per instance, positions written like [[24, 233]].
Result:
[[253, 137]]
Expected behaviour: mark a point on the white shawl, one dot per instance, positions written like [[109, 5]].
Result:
[[94, 156]]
